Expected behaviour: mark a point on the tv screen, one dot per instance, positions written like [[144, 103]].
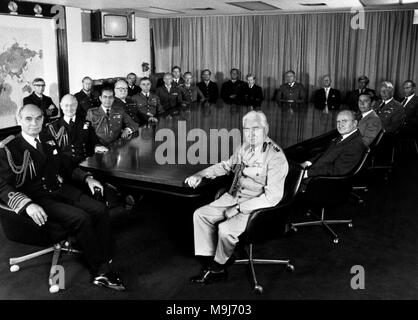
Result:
[[115, 25]]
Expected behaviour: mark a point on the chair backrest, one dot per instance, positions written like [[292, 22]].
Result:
[[377, 139], [292, 182], [22, 229]]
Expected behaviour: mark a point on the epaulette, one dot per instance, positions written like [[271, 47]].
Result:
[[53, 122], [6, 141], [275, 147]]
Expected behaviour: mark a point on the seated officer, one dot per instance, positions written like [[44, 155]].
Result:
[[74, 136], [87, 98], [389, 110], [170, 95], [110, 123], [44, 102], [132, 87], [190, 92], [260, 168], [125, 102], [34, 180], [147, 102]]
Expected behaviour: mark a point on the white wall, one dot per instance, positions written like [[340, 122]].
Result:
[[103, 59]]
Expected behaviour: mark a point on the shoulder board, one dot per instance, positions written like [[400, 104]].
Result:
[[6, 141], [93, 109], [55, 121], [274, 147]]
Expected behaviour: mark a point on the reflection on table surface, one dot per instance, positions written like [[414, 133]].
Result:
[[166, 153]]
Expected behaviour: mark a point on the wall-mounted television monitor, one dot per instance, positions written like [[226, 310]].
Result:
[[112, 26]]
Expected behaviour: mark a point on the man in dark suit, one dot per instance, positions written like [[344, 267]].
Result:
[[74, 135], [291, 94], [34, 181], [177, 79], [253, 94], [232, 90], [327, 98], [44, 102], [132, 87], [389, 110], [353, 96], [170, 95], [370, 123], [410, 105], [87, 98], [208, 87], [342, 155]]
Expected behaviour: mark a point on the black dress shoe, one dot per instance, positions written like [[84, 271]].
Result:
[[209, 276], [109, 280]]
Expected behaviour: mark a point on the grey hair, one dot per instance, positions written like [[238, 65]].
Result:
[[69, 95], [350, 112], [388, 85], [258, 116], [20, 110]]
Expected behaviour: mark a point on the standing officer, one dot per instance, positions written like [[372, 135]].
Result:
[[34, 181], [291, 93], [87, 98], [44, 102], [110, 123], [260, 168], [74, 136], [147, 102]]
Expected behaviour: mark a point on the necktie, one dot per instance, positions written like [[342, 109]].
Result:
[[71, 125], [381, 105], [39, 145], [404, 102], [108, 113], [237, 174]]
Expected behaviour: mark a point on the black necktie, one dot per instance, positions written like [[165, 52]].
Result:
[[39, 145], [404, 102], [108, 112], [70, 125]]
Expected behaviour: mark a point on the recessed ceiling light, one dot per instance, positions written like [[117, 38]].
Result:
[[254, 5], [158, 10]]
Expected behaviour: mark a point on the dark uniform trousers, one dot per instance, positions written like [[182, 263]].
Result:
[[28, 175]]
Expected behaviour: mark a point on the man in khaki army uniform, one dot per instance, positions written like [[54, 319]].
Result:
[[148, 103], [260, 168], [110, 123]]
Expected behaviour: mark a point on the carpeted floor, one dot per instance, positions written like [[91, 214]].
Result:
[[155, 255]]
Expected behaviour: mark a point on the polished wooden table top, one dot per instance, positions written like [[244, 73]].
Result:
[[138, 161]]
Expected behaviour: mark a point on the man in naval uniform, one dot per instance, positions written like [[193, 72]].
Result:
[[74, 135], [260, 168], [34, 181]]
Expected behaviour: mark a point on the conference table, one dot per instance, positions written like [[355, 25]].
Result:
[[160, 157]]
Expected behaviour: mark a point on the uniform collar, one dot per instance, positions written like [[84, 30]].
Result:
[[29, 139], [67, 119]]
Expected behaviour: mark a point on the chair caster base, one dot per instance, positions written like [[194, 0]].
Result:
[[54, 288], [336, 240], [14, 268], [290, 267], [258, 289]]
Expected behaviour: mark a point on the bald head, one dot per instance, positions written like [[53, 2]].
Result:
[[68, 105]]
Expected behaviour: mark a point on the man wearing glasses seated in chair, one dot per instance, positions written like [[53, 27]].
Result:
[[260, 168], [34, 180]]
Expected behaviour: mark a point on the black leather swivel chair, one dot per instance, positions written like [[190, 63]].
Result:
[[325, 192], [360, 185], [269, 223], [21, 228]]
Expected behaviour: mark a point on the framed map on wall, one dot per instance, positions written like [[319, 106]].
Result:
[[28, 49]]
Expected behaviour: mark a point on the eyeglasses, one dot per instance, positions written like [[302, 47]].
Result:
[[120, 88]]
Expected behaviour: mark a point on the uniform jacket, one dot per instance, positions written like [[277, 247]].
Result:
[[262, 181], [176, 84], [134, 90], [170, 99], [41, 173], [148, 107], [286, 92], [109, 130], [392, 115], [130, 108], [76, 142], [86, 102], [190, 94], [333, 102], [411, 113], [252, 96], [230, 88], [339, 158], [369, 127], [210, 91]]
